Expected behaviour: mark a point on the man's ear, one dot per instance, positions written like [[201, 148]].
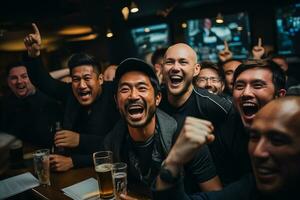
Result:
[[100, 78], [281, 93], [158, 98], [197, 69]]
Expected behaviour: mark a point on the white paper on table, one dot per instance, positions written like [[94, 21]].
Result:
[[17, 184], [87, 189]]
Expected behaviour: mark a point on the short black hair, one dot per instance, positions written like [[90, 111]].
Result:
[[79, 59], [13, 65], [278, 75], [158, 53]]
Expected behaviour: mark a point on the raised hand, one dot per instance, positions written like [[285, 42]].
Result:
[[194, 134], [226, 54], [33, 42], [258, 50]]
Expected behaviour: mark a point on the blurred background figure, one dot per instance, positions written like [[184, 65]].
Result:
[[229, 67], [210, 78], [281, 61], [26, 112], [157, 61]]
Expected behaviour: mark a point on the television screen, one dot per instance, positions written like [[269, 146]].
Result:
[[149, 38], [207, 36], [288, 29]]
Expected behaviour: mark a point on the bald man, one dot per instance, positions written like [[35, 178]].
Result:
[[181, 99], [274, 149]]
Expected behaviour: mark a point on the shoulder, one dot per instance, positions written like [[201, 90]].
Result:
[[208, 99]]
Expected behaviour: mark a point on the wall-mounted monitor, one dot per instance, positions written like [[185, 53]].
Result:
[[207, 36], [149, 38], [288, 30]]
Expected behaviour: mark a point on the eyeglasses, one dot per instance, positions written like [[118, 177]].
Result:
[[211, 79]]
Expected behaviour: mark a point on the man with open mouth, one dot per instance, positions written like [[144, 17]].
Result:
[[274, 149], [27, 112], [90, 112], [182, 99], [256, 82], [144, 135]]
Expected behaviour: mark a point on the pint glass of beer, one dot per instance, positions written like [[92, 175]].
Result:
[[42, 166], [120, 179], [103, 168]]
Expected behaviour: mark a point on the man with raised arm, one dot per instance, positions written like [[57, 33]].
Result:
[[89, 108], [274, 149]]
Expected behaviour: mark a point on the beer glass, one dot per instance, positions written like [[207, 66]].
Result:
[[120, 179], [42, 166], [103, 167]]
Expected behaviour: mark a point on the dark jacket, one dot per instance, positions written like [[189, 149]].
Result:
[[118, 142], [92, 125], [114, 140], [199, 170], [243, 189], [30, 118]]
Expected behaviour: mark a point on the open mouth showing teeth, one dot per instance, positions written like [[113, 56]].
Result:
[[135, 110], [249, 109], [176, 79], [82, 94], [20, 87]]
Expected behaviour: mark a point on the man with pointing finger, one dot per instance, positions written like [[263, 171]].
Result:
[[90, 112]]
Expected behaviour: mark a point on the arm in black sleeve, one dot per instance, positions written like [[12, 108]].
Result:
[[42, 79], [201, 167]]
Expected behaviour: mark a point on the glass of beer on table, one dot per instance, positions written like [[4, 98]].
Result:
[[42, 166], [103, 167]]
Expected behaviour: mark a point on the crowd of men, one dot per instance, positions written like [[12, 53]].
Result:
[[186, 129]]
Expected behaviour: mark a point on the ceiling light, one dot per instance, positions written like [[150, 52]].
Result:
[[133, 7], [75, 30], [219, 18], [147, 30], [109, 33], [183, 25]]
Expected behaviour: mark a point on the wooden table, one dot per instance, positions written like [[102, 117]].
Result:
[[60, 180]]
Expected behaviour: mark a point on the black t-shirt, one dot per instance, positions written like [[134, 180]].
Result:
[[179, 114], [30, 118], [229, 150], [201, 168]]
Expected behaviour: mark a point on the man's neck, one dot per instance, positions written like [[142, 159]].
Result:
[[142, 133], [178, 100]]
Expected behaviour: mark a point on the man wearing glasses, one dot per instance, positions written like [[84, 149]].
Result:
[[210, 78]]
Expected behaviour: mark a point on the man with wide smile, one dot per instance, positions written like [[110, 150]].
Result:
[[274, 149], [254, 87], [144, 135], [26, 112], [89, 112], [181, 99]]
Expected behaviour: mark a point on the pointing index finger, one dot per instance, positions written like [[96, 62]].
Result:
[[225, 46], [259, 42], [35, 28]]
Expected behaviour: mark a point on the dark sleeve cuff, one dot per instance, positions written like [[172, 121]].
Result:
[[176, 192], [82, 160]]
